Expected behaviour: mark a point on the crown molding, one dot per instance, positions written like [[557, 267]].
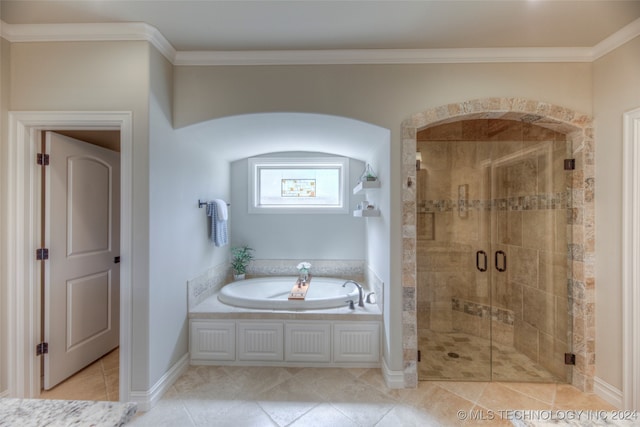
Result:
[[121, 31], [617, 39], [131, 31], [383, 56]]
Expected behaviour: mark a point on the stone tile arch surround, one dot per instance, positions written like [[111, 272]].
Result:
[[580, 252]]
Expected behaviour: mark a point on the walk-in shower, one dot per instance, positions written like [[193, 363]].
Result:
[[493, 205]]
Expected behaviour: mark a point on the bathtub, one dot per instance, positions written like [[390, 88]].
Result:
[[272, 293]]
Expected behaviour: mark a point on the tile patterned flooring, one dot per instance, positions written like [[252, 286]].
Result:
[[274, 396], [474, 360], [323, 397], [98, 381]]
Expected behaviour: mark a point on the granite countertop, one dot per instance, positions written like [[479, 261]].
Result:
[[577, 418], [64, 413]]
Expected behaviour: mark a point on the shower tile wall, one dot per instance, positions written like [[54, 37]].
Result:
[[512, 173]]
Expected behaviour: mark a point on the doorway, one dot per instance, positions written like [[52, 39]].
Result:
[[23, 238], [80, 276], [579, 130], [493, 201]]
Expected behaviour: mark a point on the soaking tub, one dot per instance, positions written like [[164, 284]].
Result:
[[273, 293]]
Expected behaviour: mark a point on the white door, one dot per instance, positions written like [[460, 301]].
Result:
[[82, 276]]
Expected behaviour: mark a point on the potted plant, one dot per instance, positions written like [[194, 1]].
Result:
[[240, 257]]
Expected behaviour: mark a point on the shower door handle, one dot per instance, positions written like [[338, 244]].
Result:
[[482, 254], [501, 266]]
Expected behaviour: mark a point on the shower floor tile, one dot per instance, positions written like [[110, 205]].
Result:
[[460, 356]]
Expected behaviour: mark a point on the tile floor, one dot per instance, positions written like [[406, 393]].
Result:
[[98, 381], [274, 396], [460, 356]]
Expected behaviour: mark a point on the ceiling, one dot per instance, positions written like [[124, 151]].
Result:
[[239, 25]]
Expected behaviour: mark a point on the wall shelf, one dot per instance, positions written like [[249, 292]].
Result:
[[362, 188], [366, 212], [364, 185]]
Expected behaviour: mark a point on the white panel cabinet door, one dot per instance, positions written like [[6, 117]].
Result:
[[307, 342], [356, 342], [82, 276], [213, 340], [261, 341]]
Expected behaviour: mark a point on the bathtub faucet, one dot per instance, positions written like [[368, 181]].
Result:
[[360, 291]]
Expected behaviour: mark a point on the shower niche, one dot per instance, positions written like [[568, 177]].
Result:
[[493, 208]]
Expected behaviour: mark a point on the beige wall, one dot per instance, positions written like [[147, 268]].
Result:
[[384, 95], [99, 76], [616, 89], [381, 94]]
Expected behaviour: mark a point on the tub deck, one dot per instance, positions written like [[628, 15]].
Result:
[[212, 308]]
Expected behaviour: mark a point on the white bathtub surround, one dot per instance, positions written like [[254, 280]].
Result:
[[206, 284], [221, 334], [41, 412], [273, 293], [212, 308], [352, 269]]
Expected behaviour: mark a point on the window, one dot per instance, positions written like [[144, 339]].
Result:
[[298, 185]]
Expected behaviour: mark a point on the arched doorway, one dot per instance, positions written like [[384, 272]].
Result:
[[580, 253]]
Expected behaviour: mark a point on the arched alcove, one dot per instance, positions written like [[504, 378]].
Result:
[[580, 252], [246, 135]]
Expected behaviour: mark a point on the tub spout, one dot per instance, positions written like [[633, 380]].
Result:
[[360, 291]]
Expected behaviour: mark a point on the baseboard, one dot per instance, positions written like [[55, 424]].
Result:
[[148, 399], [607, 392], [393, 379]]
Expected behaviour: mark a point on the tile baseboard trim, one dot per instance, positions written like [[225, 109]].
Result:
[[393, 379], [146, 400], [607, 392]]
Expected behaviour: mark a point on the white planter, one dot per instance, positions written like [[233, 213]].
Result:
[[239, 276]]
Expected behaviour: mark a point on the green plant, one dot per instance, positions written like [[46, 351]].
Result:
[[240, 257]]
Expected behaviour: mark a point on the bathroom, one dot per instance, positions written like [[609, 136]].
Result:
[[487, 192], [272, 134], [186, 128], [338, 244]]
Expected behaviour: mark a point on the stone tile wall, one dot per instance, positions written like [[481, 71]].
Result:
[[549, 120]]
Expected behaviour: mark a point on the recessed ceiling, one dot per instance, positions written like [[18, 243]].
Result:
[[331, 24]]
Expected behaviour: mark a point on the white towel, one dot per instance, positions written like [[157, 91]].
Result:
[[218, 230], [222, 209]]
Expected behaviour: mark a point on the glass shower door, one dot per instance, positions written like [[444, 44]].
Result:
[[530, 312], [453, 268], [492, 242]]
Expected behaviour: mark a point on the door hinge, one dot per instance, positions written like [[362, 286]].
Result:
[[43, 159], [42, 254], [569, 164], [569, 359], [42, 348], [419, 356]]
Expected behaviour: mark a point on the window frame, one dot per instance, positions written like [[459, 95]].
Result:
[[255, 164]]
